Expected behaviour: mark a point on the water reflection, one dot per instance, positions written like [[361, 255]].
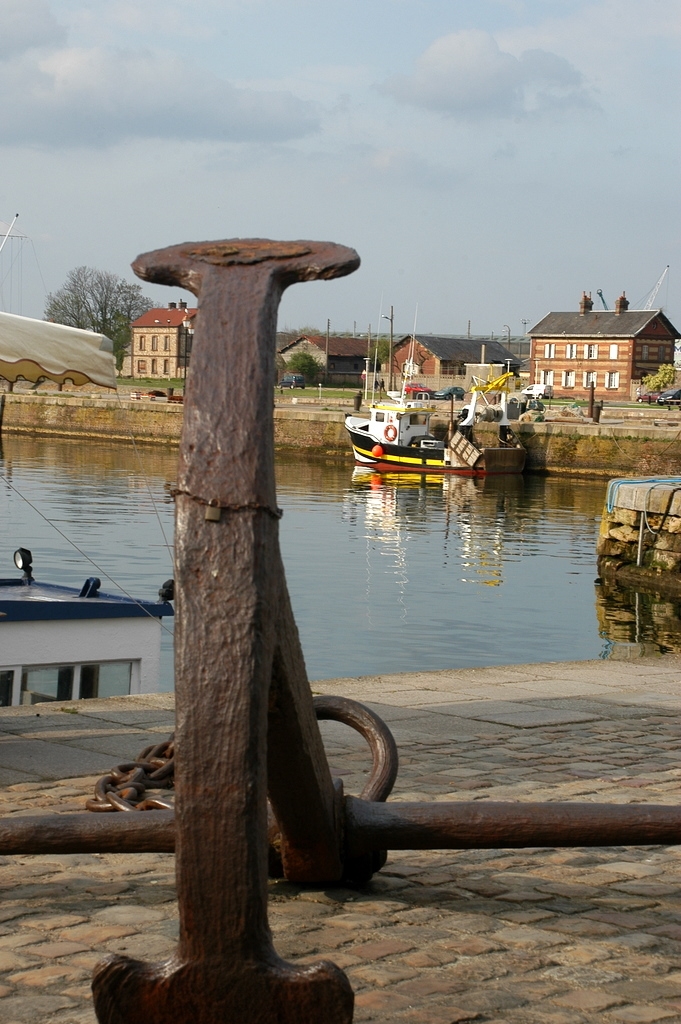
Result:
[[435, 572], [386, 574], [636, 623]]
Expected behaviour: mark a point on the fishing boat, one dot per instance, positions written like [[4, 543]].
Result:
[[397, 435]]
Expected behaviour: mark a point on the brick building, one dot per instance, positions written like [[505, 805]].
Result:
[[448, 356], [611, 349], [161, 341], [347, 356]]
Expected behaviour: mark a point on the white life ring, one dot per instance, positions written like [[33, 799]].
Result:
[[390, 432]]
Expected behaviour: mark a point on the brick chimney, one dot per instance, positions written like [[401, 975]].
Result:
[[586, 304], [172, 305], [621, 304]]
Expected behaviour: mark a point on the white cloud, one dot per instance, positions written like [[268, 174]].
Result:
[[466, 75], [25, 24], [96, 97]]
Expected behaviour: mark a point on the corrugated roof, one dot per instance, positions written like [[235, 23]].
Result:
[[164, 317], [462, 350], [605, 323]]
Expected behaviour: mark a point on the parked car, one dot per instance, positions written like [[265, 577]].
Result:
[[154, 393], [421, 389], [538, 391], [672, 396], [292, 380], [649, 397], [453, 391]]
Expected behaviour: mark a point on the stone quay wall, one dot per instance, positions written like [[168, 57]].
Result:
[[643, 524], [627, 448]]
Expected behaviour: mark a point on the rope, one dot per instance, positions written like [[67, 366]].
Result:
[[614, 486], [83, 553]]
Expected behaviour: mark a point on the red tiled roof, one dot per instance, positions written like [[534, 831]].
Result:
[[164, 317], [352, 347]]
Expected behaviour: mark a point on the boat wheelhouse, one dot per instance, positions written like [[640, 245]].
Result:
[[61, 643]]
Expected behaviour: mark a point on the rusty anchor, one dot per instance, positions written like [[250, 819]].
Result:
[[246, 721]]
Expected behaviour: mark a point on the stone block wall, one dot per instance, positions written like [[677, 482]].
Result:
[[645, 512]]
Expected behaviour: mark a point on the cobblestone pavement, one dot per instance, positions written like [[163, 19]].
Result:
[[557, 936]]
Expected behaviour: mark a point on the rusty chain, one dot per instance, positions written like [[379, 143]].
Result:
[[125, 787]]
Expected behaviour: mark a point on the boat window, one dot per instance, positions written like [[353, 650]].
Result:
[[380, 416], [42, 684], [417, 420], [6, 680], [107, 680]]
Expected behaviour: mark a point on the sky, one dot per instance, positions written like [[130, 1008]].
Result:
[[488, 159]]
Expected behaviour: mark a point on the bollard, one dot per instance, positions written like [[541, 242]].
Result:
[[357, 401]]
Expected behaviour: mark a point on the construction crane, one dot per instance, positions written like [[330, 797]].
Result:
[[599, 293], [653, 294]]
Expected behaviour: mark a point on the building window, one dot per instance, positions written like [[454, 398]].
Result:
[[166, 366], [549, 350], [547, 377], [591, 351], [153, 366], [143, 343], [166, 343], [614, 351], [571, 351], [141, 366], [612, 380], [590, 378], [568, 378], [356, 366], [332, 366], [154, 343], [644, 351]]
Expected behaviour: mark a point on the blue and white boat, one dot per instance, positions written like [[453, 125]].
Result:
[[61, 643], [57, 642]]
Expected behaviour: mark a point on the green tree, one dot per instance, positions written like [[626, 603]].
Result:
[[380, 352], [664, 378], [303, 362], [97, 300]]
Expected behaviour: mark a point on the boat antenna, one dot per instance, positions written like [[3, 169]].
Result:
[[412, 349], [9, 231]]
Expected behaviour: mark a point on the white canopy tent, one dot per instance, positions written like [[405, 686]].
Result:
[[33, 349]]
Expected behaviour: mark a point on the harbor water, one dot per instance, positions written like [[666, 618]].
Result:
[[385, 574]]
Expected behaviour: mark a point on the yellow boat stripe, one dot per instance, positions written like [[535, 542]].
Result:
[[404, 460]]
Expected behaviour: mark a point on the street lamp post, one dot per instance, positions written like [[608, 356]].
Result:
[[187, 339], [391, 318], [326, 364]]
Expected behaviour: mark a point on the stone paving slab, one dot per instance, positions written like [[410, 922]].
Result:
[[437, 937]]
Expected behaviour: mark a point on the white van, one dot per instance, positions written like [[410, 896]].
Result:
[[538, 391]]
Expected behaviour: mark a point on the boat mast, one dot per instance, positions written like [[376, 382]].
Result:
[[9, 231]]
